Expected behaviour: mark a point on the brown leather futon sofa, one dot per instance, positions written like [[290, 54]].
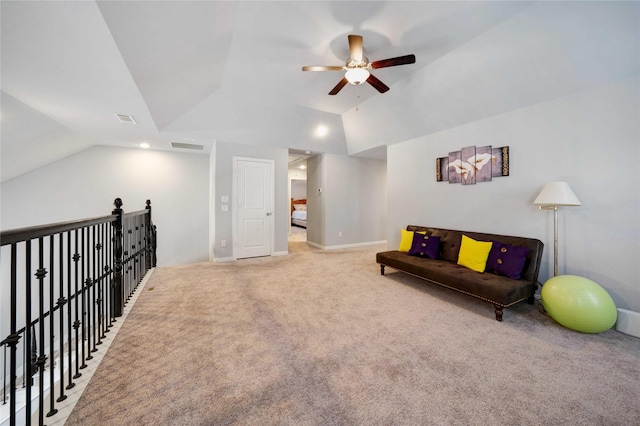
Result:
[[502, 291]]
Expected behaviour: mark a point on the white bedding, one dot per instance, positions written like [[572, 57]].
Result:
[[299, 214]]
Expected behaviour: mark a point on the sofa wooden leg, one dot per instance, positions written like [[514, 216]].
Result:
[[498, 312], [531, 299], [381, 269]]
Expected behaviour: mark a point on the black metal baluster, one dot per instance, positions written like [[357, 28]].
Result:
[[27, 380], [127, 261], [76, 323], [100, 301], [61, 302], [13, 338], [52, 409], [84, 321], [139, 252], [110, 279], [70, 324], [41, 273], [94, 299], [143, 246], [108, 257], [106, 278]]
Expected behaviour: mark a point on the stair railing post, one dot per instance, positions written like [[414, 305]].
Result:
[[116, 285]]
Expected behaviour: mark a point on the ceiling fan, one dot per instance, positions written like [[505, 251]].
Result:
[[357, 67]]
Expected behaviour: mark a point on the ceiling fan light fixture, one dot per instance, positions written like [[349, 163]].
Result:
[[357, 75]]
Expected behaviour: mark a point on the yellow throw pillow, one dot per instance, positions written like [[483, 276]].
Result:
[[406, 239], [474, 254]]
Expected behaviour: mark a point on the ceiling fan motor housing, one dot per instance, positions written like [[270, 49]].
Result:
[[352, 63]]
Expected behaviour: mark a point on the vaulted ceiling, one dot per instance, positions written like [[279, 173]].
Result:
[[204, 71]]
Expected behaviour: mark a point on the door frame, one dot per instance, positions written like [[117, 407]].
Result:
[[234, 204]]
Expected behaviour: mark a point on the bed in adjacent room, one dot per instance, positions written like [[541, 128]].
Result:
[[299, 212]]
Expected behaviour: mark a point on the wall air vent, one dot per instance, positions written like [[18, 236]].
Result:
[[126, 118], [183, 145]]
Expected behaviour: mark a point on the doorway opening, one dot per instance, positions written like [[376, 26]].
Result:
[[298, 196]]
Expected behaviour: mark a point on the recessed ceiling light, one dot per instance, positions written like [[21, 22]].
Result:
[[321, 131], [302, 166], [145, 145]]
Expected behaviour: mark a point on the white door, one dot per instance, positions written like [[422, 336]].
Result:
[[254, 207]]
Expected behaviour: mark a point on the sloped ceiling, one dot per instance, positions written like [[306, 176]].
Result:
[[202, 71]]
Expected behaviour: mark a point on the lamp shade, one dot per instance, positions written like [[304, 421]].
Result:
[[357, 75], [557, 194]]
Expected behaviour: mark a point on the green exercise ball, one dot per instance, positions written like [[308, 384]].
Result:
[[579, 304]]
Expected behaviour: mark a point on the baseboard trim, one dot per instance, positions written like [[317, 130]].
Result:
[[280, 253], [345, 246], [628, 322]]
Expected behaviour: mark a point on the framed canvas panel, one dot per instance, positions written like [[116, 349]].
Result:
[[483, 164], [454, 165], [442, 169], [467, 165], [501, 165]]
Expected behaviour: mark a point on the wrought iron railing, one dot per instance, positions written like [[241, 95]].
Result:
[[63, 286]]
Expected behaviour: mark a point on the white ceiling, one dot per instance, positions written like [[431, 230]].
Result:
[[205, 71]]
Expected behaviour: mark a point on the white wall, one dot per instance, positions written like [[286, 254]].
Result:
[[298, 182], [315, 201], [298, 189], [298, 173], [352, 201], [85, 185], [589, 139]]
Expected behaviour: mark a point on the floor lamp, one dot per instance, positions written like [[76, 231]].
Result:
[[556, 194]]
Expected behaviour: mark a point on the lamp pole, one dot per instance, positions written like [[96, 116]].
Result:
[[555, 241], [556, 194]]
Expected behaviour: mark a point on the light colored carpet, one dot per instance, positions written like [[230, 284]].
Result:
[[320, 338], [297, 234]]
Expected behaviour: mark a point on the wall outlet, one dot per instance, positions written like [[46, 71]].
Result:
[[223, 243], [340, 234]]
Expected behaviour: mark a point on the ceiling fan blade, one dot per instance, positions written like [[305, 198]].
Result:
[[377, 84], [322, 68], [392, 62], [339, 86], [355, 47]]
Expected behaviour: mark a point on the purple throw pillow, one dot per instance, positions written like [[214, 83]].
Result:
[[507, 260], [425, 246]]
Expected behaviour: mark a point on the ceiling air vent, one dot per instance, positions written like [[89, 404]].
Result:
[[126, 118], [183, 145]]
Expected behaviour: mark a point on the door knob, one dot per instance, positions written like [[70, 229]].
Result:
[[268, 213]]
